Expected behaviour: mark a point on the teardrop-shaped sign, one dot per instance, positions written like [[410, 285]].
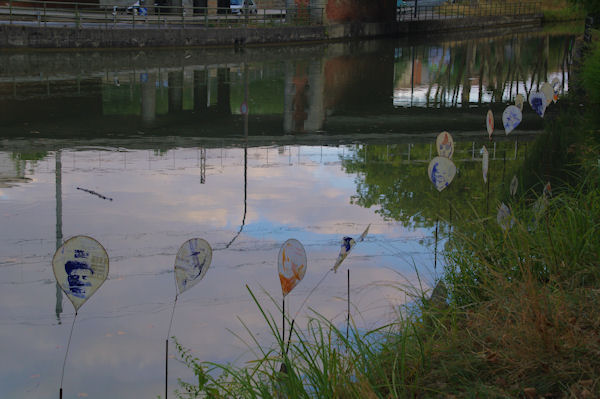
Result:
[[556, 87], [441, 172], [291, 265], [519, 100], [548, 92], [511, 118], [504, 217], [485, 163], [191, 263], [347, 244], [514, 184], [80, 267], [538, 102], [445, 145], [489, 123]]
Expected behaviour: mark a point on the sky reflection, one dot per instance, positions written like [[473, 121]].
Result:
[[158, 203]]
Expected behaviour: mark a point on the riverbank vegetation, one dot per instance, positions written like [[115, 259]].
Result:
[[517, 313], [562, 10]]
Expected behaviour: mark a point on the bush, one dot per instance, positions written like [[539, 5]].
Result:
[[590, 73]]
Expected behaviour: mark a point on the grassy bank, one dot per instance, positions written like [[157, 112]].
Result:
[[562, 10], [517, 313]]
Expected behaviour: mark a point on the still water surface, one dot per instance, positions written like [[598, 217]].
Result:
[[337, 137]]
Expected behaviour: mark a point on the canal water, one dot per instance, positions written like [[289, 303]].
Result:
[[245, 148]]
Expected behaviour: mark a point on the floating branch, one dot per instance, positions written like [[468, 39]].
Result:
[[94, 193]]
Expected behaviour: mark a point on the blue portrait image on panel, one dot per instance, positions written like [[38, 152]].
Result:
[[538, 103], [78, 274], [441, 172]]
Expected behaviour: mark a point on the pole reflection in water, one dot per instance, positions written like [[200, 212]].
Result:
[[59, 236]]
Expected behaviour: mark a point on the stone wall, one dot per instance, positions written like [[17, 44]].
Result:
[[34, 37], [12, 36]]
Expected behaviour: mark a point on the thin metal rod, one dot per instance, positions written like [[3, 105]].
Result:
[[504, 166], [167, 347], [172, 314], [348, 316], [487, 196], [437, 220], [62, 375], [450, 221], [166, 368], [289, 338]]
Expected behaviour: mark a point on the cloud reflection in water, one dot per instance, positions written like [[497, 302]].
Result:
[[156, 207]]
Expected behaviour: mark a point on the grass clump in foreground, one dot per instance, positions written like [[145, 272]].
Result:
[[521, 317]]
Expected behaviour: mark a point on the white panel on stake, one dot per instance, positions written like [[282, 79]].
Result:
[[445, 145], [80, 267], [441, 172], [511, 118]]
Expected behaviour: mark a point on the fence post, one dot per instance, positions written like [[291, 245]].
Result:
[[45, 19]]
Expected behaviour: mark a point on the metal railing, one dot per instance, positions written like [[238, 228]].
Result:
[[412, 11], [86, 15]]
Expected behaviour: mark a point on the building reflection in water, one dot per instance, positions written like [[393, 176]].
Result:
[[314, 91]]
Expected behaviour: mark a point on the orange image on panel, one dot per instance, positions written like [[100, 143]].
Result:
[[291, 265]]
